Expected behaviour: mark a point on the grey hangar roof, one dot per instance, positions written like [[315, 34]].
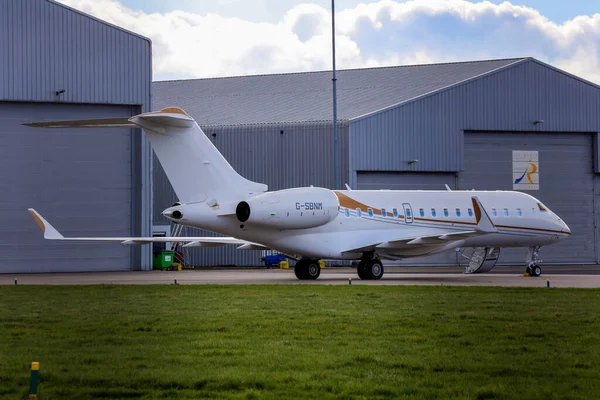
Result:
[[307, 96]]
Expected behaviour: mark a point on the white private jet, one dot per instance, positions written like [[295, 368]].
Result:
[[311, 223]]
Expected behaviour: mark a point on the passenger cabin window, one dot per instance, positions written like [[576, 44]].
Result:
[[470, 212], [370, 211], [408, 213], [433, 213], [383, 213], [458, 212], [347, 212], [421, 212], [506, 212], [358, 212], [445, 212], [395, 211], [519, 212], [494, 212]]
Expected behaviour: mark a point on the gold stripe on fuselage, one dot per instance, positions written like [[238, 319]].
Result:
[[351, 204]]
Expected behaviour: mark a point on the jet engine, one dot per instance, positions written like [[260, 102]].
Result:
[[296, 208]]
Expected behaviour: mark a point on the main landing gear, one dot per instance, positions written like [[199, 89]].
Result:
[[307, 269], [369, 267], [533, 268]]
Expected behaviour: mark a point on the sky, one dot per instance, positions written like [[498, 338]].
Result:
[[211, 38]]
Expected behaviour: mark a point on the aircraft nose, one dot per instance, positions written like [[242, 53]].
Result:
[[564, 228]]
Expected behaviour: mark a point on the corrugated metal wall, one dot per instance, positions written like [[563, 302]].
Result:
[[566, 182], [300, 156], [47, 47], [431, 129], [67, 177], [405, 180]]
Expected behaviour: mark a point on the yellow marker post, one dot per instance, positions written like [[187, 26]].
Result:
[[33, 380], [349, 281]]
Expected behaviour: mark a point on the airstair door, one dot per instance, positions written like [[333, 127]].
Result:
[[408, 214]]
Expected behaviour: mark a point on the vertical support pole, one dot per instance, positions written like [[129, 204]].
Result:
[[33, 380], [334, 80]]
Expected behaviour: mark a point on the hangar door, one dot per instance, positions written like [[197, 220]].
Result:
[[79, 179], [410, 181], [566, 184], [404, 180]]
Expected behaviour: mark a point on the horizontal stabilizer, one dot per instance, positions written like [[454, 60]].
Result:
[[86, 123]]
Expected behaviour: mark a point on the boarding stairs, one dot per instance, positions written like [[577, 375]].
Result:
[[477, 260], [180, 256]]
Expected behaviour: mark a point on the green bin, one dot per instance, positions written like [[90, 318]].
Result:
[[163, 259]]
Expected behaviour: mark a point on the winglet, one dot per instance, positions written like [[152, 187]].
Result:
[[448, 188], [49, 231], [348, 188], [484, 222]]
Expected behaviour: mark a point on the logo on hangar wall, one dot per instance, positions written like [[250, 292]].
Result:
[[526, 170]]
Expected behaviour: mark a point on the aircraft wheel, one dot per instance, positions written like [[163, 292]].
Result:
[[313, 269], [300, 269], [360, 270], [370, 269], [307, 269], [375, 269], [535, 270]]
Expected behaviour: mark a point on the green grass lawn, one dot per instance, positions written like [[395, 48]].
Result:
[[275, 342]]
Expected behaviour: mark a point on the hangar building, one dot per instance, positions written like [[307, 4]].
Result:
[[57, 63], [463, 124]]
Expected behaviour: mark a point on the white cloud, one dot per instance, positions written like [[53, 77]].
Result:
[[374, 34]]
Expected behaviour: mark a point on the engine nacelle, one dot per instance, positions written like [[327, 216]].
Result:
[[289, 209]]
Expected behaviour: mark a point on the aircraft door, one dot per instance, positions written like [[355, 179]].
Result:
[[408, 214]]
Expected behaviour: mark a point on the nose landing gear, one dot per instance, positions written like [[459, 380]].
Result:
[[533, 268]]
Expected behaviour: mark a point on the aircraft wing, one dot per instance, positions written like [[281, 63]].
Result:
[[484, 226], [190, 241]]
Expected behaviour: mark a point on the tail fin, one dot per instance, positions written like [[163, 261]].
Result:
[[192, 163]]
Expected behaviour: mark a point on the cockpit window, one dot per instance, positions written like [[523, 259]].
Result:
[[542, 207]]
